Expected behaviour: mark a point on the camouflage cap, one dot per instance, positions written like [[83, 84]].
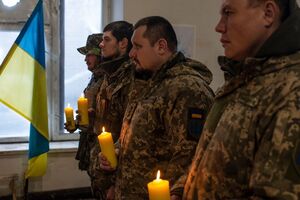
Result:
[[92, 45]]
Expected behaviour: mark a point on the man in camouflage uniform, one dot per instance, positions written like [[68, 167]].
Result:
[[127, 86], [92, 54], [250, 146], [160, 130], [109, 101]]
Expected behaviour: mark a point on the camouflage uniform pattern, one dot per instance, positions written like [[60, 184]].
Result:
[[112, 87], [110, 101], [87, 137], [92, 45], [155, 134], [250, 145]]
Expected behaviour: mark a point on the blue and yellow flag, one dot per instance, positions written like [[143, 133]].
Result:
[[23, 87]]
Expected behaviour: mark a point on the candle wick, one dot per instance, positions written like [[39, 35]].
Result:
[[158, 175]]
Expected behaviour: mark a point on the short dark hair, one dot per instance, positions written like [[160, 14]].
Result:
[[120, 30], [156, 28], [282, 4]]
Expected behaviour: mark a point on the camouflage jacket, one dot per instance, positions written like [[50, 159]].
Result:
[[160, 129], [116, 79], [90, 92], [121, 87], [115, 84], [87, 137], [250, 146]]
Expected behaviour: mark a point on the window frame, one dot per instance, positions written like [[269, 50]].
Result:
[[54, 35]]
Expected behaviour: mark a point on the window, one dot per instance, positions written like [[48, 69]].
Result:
[[67, 74], [76, 74], [9, 118], [13, 127]]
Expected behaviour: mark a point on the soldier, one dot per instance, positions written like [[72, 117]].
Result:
[[250, 146], [115, 47], [92, 54], [160, 130]]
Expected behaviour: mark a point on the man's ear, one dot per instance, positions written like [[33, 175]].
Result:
[[162, 46], [123, 43], [271, 13]]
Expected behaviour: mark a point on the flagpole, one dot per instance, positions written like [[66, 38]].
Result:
[[26, 189]]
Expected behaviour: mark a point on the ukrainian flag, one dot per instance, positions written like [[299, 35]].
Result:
[[23, 87]]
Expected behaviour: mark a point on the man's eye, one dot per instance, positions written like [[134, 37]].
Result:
[[227, 12]]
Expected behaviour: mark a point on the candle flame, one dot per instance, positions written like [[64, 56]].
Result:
[[158, 175], [82, 95], [68, 105], [103, 129]]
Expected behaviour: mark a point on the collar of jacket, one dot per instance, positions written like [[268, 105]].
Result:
[[161, 73], [189, 67], [286, 39], [237, 74], [173, 60], [109, 67]]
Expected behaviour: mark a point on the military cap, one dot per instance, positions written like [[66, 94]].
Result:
[[92, 45]]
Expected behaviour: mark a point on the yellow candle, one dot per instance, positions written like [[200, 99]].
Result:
[[159, 189], [83, 110], [69, 113], [107, 147]]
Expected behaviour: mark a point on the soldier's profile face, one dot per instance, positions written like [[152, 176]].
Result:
[[242, 28], [143, 54], [109, 46], [91, 61]]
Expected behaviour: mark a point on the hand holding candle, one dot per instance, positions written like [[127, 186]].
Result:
[[69, 113], [83, 110], [159, 189], [107, 147]]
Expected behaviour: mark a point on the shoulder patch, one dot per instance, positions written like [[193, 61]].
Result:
[[196, 119]]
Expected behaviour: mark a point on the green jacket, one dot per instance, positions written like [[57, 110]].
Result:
[[161, 129], [119, 87], [250, 145], [87, 137]]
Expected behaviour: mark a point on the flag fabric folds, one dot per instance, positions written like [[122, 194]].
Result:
[[23, 87]]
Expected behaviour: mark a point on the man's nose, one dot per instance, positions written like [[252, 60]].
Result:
[[101, 44], [221, 26], [132, 53]]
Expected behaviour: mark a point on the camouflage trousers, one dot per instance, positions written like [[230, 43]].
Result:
[[97, 192], [100, 180], [100, 185]]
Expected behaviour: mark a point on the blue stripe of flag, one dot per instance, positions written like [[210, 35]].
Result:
[[26, 39], [38, 143]]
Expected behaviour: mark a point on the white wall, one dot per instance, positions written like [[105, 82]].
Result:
[[199, 13], [62, 172]]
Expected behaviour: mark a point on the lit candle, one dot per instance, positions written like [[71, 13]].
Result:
[[107, 147], [83, 110], [159, 189], [69, 113]]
